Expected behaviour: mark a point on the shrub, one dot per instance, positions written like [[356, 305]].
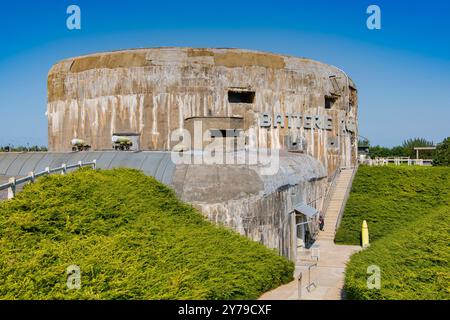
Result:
[[408, 213], [132, 239], [414, 262], [390, 197], [410, 144]]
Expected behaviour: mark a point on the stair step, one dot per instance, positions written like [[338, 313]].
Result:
[[334, 206]]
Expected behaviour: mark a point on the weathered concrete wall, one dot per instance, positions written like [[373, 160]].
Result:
[[153, 91], [257, 206]]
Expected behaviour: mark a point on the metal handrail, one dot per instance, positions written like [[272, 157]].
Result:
[[327, 195], [13, 182], [347, 194], [310, 283]]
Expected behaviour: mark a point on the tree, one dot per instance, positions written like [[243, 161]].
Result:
[[442, 154], [410, 144], [399, 151], [11, 148], [380, 152], [363, 142]]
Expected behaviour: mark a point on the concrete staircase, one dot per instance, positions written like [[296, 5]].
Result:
[[336, 202], [329, 273]]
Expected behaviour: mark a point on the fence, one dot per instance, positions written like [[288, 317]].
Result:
[[13, 182], [397, 161]]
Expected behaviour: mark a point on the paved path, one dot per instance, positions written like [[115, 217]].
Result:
[[328, 276], [329, 259]]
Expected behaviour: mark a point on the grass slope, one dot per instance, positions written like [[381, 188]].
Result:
[[414, 262], [408, 214], [132, 239], [388, 198]]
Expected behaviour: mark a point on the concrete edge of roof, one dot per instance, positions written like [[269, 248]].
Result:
[[292, 168], [147, 49]]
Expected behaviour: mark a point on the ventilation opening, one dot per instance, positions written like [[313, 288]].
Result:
[[225, 133], [329, 102], [241, 96], [293, 144]]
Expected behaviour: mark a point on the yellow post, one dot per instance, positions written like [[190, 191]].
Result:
[[365, 235]]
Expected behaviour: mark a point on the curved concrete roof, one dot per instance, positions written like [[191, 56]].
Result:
[[226, 57], [193, 182], [155, 164], [219, 183]]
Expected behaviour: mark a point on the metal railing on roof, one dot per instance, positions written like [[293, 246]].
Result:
[[13, 182]]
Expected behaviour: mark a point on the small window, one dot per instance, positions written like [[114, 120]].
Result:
[[329, 102], [225, 133], [241, 96]]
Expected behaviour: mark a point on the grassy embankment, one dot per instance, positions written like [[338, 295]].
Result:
[[408, 213], [132, 239]]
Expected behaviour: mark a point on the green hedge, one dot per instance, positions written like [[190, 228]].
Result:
[[414, 262], [388, 198], [132, 239], [408, 215]]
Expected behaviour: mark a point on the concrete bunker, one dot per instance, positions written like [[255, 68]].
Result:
[[302, 110], [154, 91]]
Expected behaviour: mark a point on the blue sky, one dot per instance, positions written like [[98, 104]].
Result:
[[402, 71]]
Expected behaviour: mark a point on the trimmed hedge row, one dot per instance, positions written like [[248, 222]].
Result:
[[390, 197], [408, 214], [414, 262]]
